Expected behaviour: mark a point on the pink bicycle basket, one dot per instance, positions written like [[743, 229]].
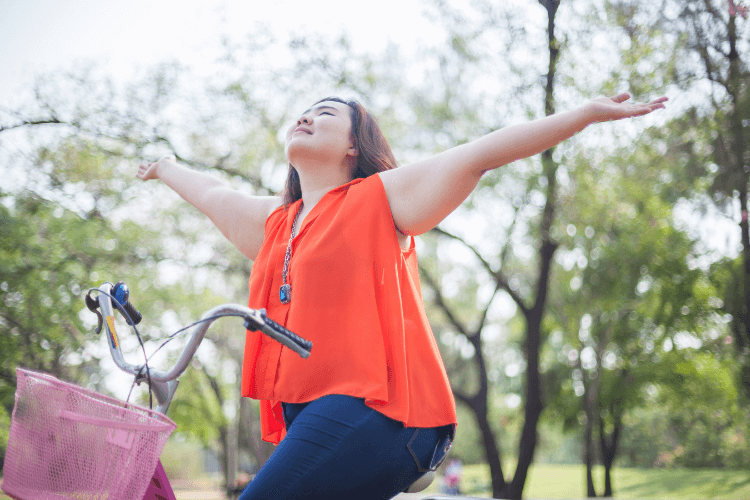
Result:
[[71, 443]]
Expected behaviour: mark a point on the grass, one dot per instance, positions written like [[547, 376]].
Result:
[[568, 482]]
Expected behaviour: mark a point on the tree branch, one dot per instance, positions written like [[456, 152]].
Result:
[[483, 319], [440, 301], [499, 277], [28, 123], [475, 340]]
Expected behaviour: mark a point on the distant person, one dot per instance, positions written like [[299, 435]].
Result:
[[452, 477], [371, 410]]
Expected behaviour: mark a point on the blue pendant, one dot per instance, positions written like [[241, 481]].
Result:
[[285, 293]]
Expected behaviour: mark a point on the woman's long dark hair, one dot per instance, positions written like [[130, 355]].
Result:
[[375, 153]]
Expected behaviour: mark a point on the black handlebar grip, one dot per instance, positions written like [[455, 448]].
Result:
[[134, 313], [306, 344], [299, 342]]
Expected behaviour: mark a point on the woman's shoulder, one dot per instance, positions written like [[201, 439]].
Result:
[[276, 210], [366, 186], [275, 205]]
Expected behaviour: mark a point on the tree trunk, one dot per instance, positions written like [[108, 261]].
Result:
[[591, 409], [222, 455], [744, 327], [739, 152], [232, 462], [478, 403], [609, 451], [534, 403], [491, 451], [588, 455]]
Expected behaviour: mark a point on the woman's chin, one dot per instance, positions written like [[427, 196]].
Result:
[[297, 149], [300, 154]]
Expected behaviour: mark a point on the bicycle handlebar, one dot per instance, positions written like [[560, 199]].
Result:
[[254, 320]]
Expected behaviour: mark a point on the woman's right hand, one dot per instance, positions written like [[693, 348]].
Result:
[[150, 170]]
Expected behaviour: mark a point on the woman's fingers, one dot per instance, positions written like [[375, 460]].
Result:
[[658, 103], [150, 169], [621, 97], [146, 171]]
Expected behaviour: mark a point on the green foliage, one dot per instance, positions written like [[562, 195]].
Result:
[[690, 416], [4, 429], [727, 277], [625, 282], [711, 66], [47, 258], [647, 441], [704, 412], [196, 409]]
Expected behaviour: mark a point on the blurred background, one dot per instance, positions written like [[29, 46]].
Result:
[[591, 303]]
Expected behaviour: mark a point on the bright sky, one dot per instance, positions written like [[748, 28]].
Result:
[[49, 35]]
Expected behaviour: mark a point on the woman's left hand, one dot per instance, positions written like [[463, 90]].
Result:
[[605, 109]]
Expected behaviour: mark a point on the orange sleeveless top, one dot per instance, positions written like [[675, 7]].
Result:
[[356, 296]]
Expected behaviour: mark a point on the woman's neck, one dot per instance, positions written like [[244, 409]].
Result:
[[315, 183]]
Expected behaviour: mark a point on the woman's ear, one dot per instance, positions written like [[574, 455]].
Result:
[[353, 149]]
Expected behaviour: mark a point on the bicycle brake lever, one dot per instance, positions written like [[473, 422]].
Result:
[[93, 305]]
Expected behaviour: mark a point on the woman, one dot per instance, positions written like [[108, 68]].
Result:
[[371, 409]]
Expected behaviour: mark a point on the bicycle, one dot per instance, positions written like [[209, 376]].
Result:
[[28, 457], [53, 420]]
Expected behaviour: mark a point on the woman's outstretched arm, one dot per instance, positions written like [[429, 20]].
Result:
[[239, 217], [424, 193]]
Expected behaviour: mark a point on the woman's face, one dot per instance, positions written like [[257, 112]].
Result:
[[322, 133]]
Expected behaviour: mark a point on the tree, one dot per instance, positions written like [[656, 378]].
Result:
[[626, 290], [711, 44], [703, 399], [526, 284]]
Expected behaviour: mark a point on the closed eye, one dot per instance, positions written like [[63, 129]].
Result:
[[326, 113]]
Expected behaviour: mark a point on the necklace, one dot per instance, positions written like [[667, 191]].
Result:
[[285, 292]]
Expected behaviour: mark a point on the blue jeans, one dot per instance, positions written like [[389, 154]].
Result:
[[336, 447]]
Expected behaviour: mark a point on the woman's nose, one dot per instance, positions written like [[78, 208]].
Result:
[[304, 119]]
